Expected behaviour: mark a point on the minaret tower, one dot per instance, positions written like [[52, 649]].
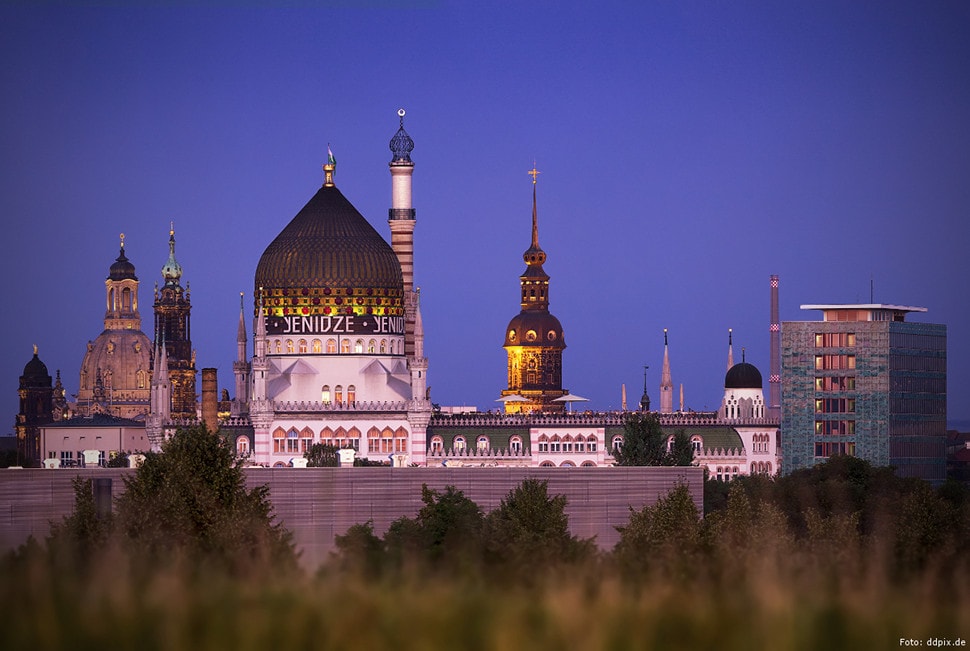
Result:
[[419, 409], [160, 409], [240, 367], [260, 407], [172, 312], [645, 399], [534, 339], [666, 383], [400, 217], [730, 362]]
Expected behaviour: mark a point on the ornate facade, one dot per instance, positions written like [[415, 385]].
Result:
[[534, 338], [116, 369], [173, 331]]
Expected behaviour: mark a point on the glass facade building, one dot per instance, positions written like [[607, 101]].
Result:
[[865, 382]]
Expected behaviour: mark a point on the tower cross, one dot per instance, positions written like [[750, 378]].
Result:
[[534, 173]]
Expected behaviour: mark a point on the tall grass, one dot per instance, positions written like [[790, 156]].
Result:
[[752, 575], [777, 598]]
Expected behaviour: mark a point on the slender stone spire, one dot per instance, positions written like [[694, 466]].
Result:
[[240, 367], [623, 397], [730, 362], [666, 383]]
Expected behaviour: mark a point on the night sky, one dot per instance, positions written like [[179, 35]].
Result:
[[687, 152]]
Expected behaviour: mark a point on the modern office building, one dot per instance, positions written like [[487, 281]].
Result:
[[865, 382]]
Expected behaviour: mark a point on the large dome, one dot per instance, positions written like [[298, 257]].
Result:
[[535, 328], [743, 376], [330, 260], [36, 370], [125, 355]]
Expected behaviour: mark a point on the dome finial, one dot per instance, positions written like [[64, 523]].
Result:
[[401, 144], [122, 241], [329, 168]]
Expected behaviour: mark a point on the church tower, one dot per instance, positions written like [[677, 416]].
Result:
[[36, 395], [172, 310], [534, 338], [116, 368]]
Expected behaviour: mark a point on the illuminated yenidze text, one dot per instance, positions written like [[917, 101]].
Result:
[[338, 324]]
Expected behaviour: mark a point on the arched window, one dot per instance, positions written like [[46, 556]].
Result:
[[292, 441], [359, 346], [302, 346], [383, 346], [317, 346], [373, 440], [547, 464], [401, 440], [437, 444], [242, 446], [543, 443], [306, 439], [325, 394], [588, 464], [371, 347], [279, 440], [126, 299], [289, 346], [591, 443], [567, 464], [353, 435], [279, 346], [331, 346], [458, 443], [351, 394], [696, 443], [555, 444], [482, 442], [617, 442], [515, 444], [338, 394]]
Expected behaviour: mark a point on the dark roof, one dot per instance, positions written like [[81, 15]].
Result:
[[97, 420], [36, 370], [328, 244], [122, 269], [743, 376], [542, 323]]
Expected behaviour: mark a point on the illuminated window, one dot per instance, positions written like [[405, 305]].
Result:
[[338, 394], [515, 444], [242, 446], [289, 346], [351, 394], [302, 346], [482, 443], [437, 444], [344, 345], [459, 443], [317, 346], [331, 346], [371, 347], [359, 346], [325, 393], [383, 346]]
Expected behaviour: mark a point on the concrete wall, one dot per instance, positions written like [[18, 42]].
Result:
[[316, 504]]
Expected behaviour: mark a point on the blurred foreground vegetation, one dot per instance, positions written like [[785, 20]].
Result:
[[844, 556]]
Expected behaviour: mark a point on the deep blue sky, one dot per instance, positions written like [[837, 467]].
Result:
[[687, 150]]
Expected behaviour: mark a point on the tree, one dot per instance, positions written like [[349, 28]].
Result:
[[191, 501], [645, 444], [321, 455], [530, 529], [446, 532], [664, 537]]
